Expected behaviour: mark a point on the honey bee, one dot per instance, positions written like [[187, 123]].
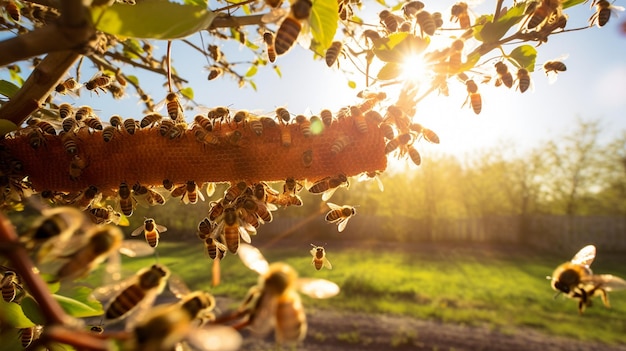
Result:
[[104, 215], [332, 53], [36, 138], [291, 26], [65, 110], [389, 21], [93, 123], [191, 194], [45, 126], [305, 125], [135, 294], [130, 126], [552, 68], [214, 248], [70, 85], [108, 133], [372, 175], [70, 143], [274, 302], [216, 210], [258, 209], [430, 136], [523, 80], [203, 122], [544, 11], [414, 155], [11, 8], [268, 38], [459, 13], [147, 196], [473, 96], [339, 215], [504, 76], [52, 230], [455, 59], [283, 115], [577, 281], [400, 140], [205, 137], [411, 8], [220, 113], [30, 334], [327, 186], [231, 228], [150, 120], [116, 121], [151, 231], [86, 198], [426, 22], [387, 130], [98, 82], [327, 117], [101, 242], [11, 286], [359, 119], [77, 165], [168, 185], [396, 116], [214, 73], [69, 125], [83, 112], [339, 144], [307, 158], [126, 201], [166, 326], [319, 258], [96, 329], [604, 9], [178, 130], [174, 108]]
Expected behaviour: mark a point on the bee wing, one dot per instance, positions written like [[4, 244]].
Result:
[[210, 189], [265, 314], [200, 195], [108, 292], [585, 256], [343, 223], [215, 338], [333, 206], [305, 37], [137, 231], [178, 286], [328, 194], [136, 248], [253, 258], [274, 15], [244, 235], [317, 288], [161, 228], [327, 263], [313, 251], [607, 282]]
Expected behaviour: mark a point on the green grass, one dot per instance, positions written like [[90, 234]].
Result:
[[472, 287]]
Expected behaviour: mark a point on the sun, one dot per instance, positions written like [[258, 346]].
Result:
[[414, 68]]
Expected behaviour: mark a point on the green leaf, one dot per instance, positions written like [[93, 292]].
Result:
[[492, 32], [152, 19], [399, 46], [15, 76], [84, 295], [390, 70], [352, 84], [132, 48], [324, 21], [6, 126], [187, 92], [77, 308], [32, 311], [252, 71], [470, 62], [133, 79], [524, 57], [8, 89], [252, 84], [570, 3], [13, 314]]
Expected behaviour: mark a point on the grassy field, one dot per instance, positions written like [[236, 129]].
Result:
[[502, 287]]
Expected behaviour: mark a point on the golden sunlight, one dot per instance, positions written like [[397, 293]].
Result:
[[414, 68]]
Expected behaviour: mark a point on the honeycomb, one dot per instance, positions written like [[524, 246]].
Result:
[[147, 157]]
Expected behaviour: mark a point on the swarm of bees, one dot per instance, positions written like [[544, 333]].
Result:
[[576, 280]]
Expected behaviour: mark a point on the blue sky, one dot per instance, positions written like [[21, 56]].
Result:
[[594, 87]]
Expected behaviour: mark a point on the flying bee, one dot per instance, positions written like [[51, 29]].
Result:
[[430, 136], [104, 215], [544, 11], [135, 294], [174, 108], [426, 22], [319, 258], [552, 68], [504, 76], [414, 155], [372, 175], [268, 38], [151, 231], [98, 82], [523, 80], [205, 228], [274, 302], [473, 96], [400, 140], [291, 26], [147, 196], [332, 53], [68, 86], [125, 200], [577, 281], [396, 116], [604, 9], [327, 186], [339, 215], [455, 60], [390, 21], [165, 327], [52, 230], [11, 286], [387, 130], [459, 13], [411, 8], [130, 126], [86, 198], [101, 242], [150, 120], [30, 334]]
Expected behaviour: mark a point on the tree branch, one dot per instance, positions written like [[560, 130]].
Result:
[[38, 86], [234, 21]]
